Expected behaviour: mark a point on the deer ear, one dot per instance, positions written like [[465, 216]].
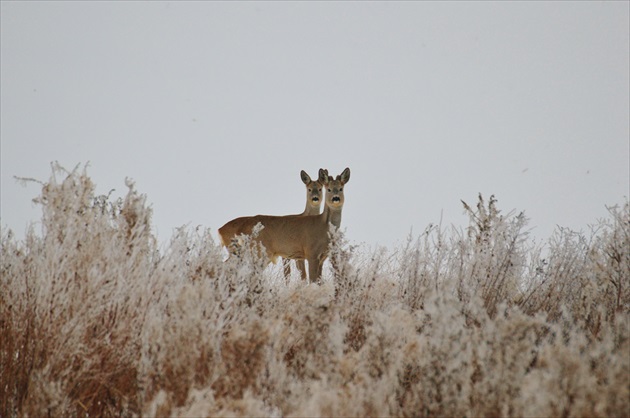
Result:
[[306, 179], [323, 176], [345, 176]]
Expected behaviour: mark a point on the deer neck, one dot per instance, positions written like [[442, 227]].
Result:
[[310, 210], [332, 216]]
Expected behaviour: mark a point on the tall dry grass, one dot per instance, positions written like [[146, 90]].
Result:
[[96, 320]]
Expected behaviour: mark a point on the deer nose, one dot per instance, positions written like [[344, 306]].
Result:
[[315, 199], [336, 199]]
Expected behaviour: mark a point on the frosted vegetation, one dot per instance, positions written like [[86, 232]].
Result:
[[97, 320]]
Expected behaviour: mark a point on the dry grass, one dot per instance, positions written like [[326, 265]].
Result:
[[95, 320]]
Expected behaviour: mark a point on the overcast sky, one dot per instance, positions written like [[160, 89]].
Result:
[[213, 108]]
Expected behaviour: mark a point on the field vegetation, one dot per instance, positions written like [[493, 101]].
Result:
[[97, 319]]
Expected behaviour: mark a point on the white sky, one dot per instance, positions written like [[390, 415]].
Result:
[[213, 108]]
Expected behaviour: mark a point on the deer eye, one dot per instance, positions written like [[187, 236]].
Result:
[[310, 190], [329, 190], [341, 189]]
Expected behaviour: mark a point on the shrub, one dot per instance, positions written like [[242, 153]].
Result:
[[95, 320]]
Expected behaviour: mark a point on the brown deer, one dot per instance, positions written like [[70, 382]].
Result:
[[298, 237], [244, 225]]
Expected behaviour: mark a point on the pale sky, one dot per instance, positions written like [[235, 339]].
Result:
[[213, 108]]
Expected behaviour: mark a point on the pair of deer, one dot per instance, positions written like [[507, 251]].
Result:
[[296, 237]]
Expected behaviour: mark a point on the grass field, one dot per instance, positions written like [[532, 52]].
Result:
[[97, 320]]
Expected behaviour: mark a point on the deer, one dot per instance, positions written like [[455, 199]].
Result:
[[313, 205], [245, 225], [301, 237]]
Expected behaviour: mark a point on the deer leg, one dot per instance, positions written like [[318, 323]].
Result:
[[299, 264], [313, 270], [315, 265]]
